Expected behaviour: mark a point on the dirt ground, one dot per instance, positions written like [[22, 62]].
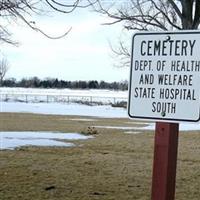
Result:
[[112, 166]]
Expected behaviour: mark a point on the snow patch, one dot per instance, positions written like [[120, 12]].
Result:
[[132, 132], [182, 127], [11, 140]]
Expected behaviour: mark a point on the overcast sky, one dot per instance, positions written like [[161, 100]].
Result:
[[84, 54]]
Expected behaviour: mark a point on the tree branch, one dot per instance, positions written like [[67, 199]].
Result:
[[175, 7], [196, 20], [164, 13]]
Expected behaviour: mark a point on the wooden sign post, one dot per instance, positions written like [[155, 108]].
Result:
[[165, 159], [164, 88]]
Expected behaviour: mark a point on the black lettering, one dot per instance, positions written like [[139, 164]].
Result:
[[143, 65], [157, 47], [193, 96], [164, 48], [177, 94], [162, 94], [154, 107], [149, 52], [141, 79], [136, 92], [190, 80], [184, 47], [167, 47], [160, 79], [143, 53], [164, 108], [185, 66], [197, 66], [168, 79], [192, 46], [177, 47], [144, 92], [173, 108], [170, 47], [146, 79], [136, 65]]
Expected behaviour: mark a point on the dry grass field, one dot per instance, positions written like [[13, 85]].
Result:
[[112, 166]]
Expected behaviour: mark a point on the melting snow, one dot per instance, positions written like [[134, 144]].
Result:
[[182, 127], [11, 140], [132, 132]]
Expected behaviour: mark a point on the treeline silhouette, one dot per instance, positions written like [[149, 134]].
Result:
[[35, 82]]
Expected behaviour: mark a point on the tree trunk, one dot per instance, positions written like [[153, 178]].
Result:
[[187, 8]]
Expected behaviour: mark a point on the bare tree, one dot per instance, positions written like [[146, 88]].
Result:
[[132, 14], [155, 15], [4, 66], [14, 10], [148, 15]]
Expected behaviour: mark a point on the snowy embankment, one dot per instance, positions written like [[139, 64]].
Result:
[[12, 103], [64, 109], [33, 95]]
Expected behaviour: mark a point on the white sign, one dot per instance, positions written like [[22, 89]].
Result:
[[165, 76]]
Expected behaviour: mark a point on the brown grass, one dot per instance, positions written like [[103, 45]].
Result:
[[113, 165]]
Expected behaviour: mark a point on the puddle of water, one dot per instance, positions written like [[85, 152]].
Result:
[[11, 140]]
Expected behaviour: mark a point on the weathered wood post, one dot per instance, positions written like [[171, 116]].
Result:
[[165, 161]]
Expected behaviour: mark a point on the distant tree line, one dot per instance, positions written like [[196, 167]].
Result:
[[35, 82]]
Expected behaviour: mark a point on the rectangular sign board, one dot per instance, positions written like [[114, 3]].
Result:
[[165, 76]]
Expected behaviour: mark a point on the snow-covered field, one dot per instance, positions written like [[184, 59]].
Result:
[[61, 95], [64, 109], [104, 111], [75, 92], [11, 140]]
